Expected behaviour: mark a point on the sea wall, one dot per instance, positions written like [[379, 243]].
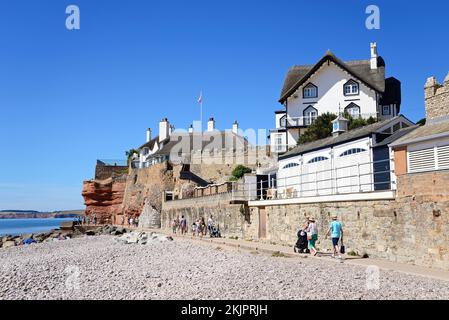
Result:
[[413, 228]]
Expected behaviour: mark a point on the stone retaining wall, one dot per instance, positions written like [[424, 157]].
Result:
[[229, 217]]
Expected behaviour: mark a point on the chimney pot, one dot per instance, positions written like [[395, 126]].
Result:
[[211, 124], [374, 56]]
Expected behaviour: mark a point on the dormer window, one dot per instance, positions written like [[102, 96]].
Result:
[[310, 115], [310, 91], [351, 88], [283, 122], [353, 110]]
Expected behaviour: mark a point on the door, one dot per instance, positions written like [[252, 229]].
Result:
[[262, 223]]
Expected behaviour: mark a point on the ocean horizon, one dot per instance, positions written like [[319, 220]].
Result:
[[16, 227]]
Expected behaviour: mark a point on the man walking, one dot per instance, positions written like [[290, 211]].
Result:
[[336, 232]]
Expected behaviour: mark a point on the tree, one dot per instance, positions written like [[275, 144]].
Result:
[[319, 129], [130, 153], [355, 123]]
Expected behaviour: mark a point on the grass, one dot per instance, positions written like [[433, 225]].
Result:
[[353, 253]]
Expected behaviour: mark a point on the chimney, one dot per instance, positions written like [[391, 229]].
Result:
[[339, 125], [374, 56], [149, 135], [164, 129], [235, 127], [191, 128], [211, 125]]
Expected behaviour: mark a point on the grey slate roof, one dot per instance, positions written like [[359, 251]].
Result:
[[426, 132], [395, 136], [149, 144], [361, 69], [342, 138], [186, 140]]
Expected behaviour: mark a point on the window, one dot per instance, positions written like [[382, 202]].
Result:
[[353, 110], [352, 151], [291, 165], [396, 127], [386, 110], [283, 121], [310, 91], [278, 142], [351, 88], [318, 159], [310, 115]]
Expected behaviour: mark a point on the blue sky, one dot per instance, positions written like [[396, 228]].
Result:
[[70, 97]]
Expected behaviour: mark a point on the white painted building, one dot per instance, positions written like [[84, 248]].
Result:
[[358, 88], [350, 162], [180, 146]]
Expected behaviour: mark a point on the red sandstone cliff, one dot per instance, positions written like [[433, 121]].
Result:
[[104, 198]]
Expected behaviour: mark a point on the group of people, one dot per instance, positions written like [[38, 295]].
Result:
[[199, 227], [308, 236]]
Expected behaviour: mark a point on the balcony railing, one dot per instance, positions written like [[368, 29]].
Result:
[[357, 178]]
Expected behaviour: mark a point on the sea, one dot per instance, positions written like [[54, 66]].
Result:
[[15, 227]]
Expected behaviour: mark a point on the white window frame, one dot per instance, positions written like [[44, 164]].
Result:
[[310, 91], [353, 88]]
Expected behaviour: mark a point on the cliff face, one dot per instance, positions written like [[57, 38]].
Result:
[[147, 186], [104, 198]]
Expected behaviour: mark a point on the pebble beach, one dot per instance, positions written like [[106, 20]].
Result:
[[100, 267]]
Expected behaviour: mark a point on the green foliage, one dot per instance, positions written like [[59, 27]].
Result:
[[322, 126], [319, 129], [239, 172], [130, 153], [422, 122], [355, 123], [353, 253]]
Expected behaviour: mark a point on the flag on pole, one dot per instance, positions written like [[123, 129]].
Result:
[[200, 99]]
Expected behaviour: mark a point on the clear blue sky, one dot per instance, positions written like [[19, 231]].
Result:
[[70, 97]]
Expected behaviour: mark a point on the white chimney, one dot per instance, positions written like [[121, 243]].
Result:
[[164, 129], [211, 125], [374, 56], [149, 135], [235, 127], [191, 128]]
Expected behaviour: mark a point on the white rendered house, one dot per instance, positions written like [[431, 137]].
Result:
[[358, 88]]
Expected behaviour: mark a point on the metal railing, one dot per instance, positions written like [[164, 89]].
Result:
[[356, 178], [307, 120]]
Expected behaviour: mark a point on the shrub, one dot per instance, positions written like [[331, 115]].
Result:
[[240, 171]]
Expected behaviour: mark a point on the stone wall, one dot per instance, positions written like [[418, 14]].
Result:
[[103, 172], [232, 219], [413, 228], [437, 98]]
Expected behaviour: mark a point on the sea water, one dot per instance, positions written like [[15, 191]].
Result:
[[33, 225]]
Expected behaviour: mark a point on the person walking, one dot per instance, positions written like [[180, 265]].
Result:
[[210, 225], [174, 226], [336, 232], [183, 224], [203, 226], [312, 235]]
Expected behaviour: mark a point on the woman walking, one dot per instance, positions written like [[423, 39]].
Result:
[[312, 235]]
